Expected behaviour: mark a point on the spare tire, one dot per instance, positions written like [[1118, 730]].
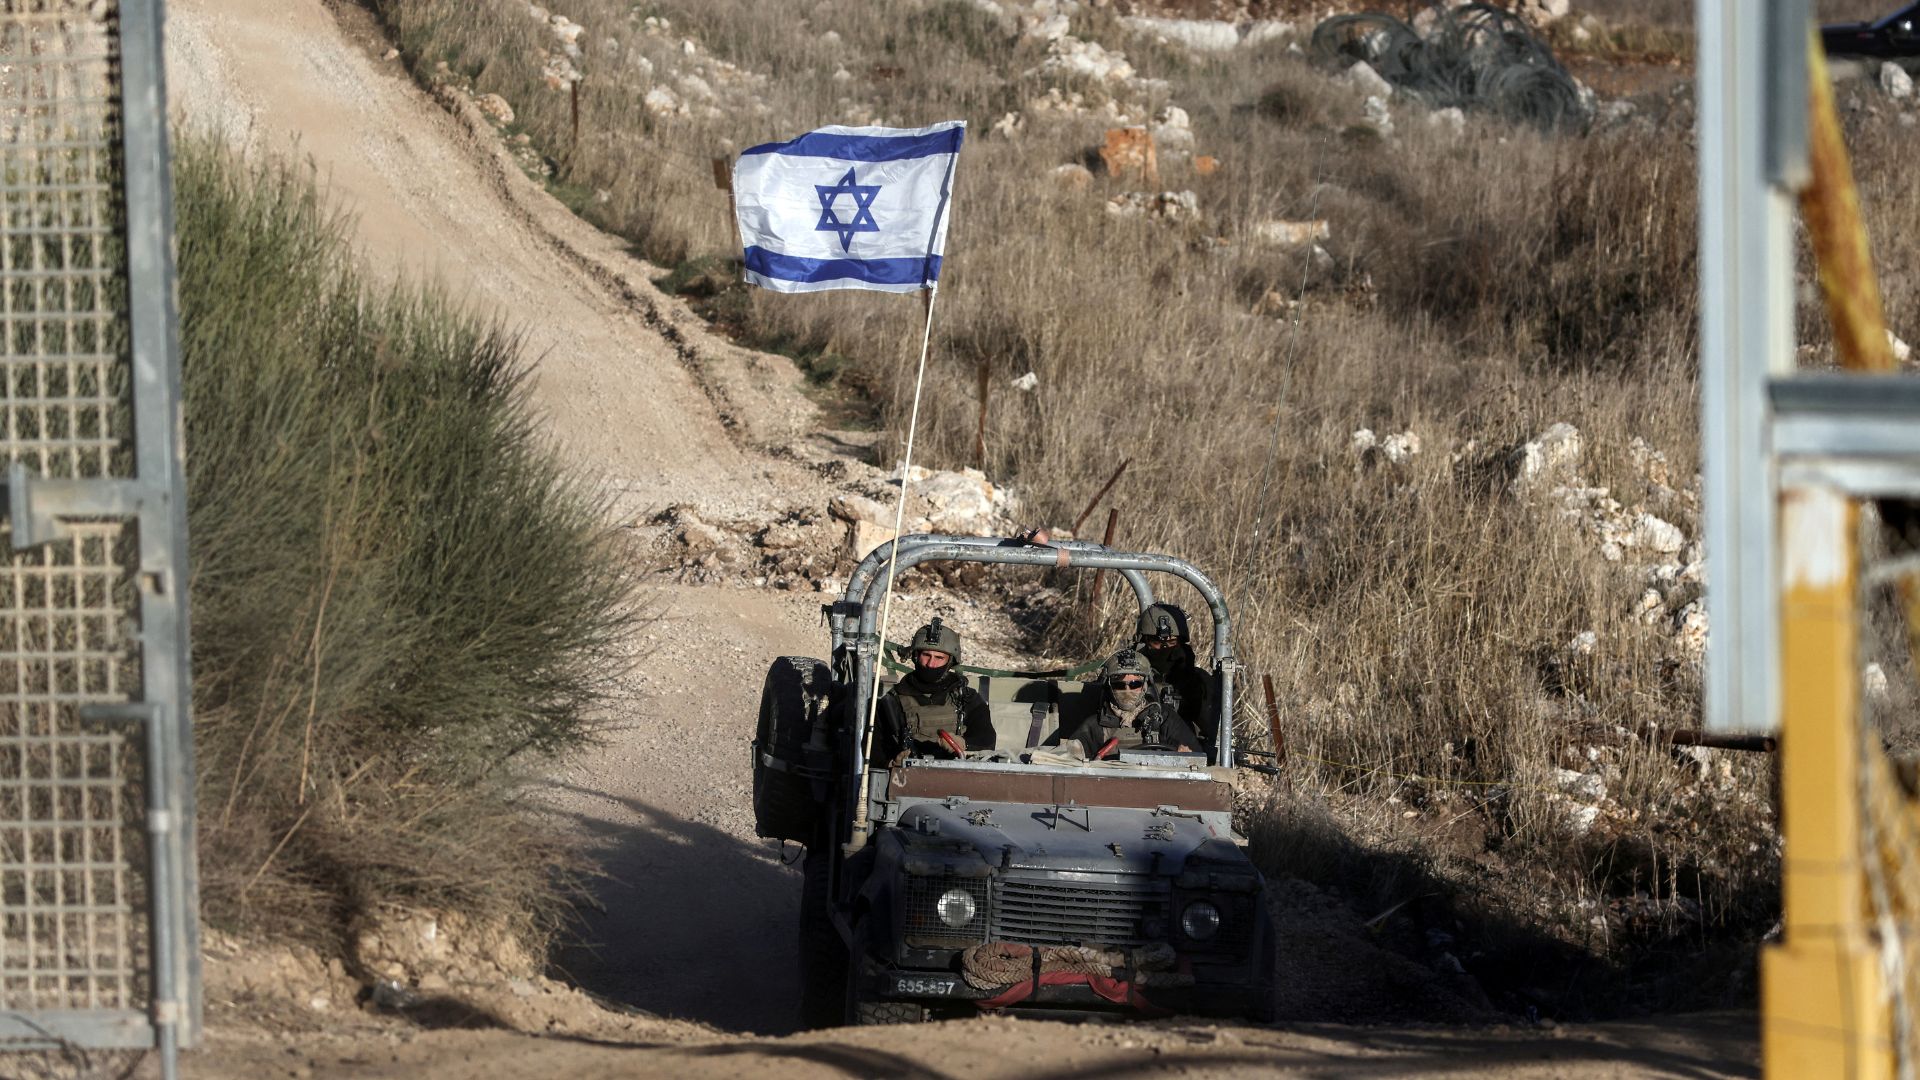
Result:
[[790, 749]]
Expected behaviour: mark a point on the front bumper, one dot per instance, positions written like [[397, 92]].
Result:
[[935, 988]]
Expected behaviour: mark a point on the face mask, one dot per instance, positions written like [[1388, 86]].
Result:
[[1129, 700], [1160, 659]]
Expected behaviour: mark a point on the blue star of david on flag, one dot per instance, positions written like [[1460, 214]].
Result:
[[847, 208], [863, 196]]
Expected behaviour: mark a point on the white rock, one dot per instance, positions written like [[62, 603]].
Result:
[[1379, 116], [1901, 350], [1648, 609], [1895, 81], [1553, 453], [1265, 30], [1171, 205], [1051, 28], [539, 13], [1399, 448], [1369, 81], [560, 73], [567, 30], [1873, 682], [1071, 56], [1690, 635], [1580, 819], [1655, 534], [689, 47], [1362, 441], [864, 536], [830, 39], [695, 88], [1026, 383], [1008, 125], [1291, 234], [1200, 35], [1587, 787], [640, 63], [842, 75], [1583, 643], [959, 502], [1450, 118], [1073, 177], [661, 101], [850, 507]]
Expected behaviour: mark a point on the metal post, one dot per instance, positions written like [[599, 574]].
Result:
[[166, 667], [1746, 334], [1823, 996]]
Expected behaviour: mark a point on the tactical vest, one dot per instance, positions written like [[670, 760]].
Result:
[[1143, 731], [926, 717]]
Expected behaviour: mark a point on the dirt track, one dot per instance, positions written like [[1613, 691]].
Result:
[[699, 917]]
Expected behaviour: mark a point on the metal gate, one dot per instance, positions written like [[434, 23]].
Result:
[[98, 898]]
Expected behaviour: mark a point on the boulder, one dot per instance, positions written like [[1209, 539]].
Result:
[[1550, 456], [1068, 55], [495, 108], [1895, 81], [1072, 177], [962, 502], [1200, 35], [1026, 383], [1449, 118], [1291, 234], [1369, 81], [661, 101], [1400, 447], [1129, 151], [850, 508], [1170, 205], [1378, 116], [1655, 534], [782, 536], [1902, 351], [1587, 787], [864, 536]]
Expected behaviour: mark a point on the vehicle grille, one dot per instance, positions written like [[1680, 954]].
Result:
[[1053, 912]]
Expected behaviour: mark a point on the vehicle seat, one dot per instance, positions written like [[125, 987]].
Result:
[[1012, 700]]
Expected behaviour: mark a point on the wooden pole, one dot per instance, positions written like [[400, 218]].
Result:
[[723, 179], [980, 431], [1099, 576], [1101, 494], [1273, 724], [574, 88]]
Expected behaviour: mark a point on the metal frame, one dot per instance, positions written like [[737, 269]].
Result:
[[1752, 136], [154, 501]]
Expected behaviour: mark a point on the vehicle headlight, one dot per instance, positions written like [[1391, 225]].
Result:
[[1200, 921], [956, 908]]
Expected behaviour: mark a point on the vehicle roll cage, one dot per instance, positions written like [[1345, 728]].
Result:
[[854, 619]]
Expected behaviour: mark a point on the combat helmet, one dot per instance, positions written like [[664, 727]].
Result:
[[1128, 661], [938, 638], [1162, 621]]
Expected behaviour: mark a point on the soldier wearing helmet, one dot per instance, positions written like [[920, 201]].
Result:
[[1161, 634], [1129, 714], [932, 698]]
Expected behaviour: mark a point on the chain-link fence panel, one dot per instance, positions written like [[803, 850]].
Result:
[[97, 938]]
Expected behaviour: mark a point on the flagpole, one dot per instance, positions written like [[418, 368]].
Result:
[[886, 604]]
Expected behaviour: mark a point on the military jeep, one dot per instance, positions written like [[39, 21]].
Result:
[[1023, 877]]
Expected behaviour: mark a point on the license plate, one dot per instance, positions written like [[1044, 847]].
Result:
[[923, 987]]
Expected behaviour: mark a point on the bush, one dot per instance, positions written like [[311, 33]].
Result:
[[400, 599]]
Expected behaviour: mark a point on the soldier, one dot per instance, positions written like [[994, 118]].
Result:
[[1128, 712], [930, 699], [1161, 633]]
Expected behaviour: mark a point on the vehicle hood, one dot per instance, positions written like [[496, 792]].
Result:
[[1094, 839]]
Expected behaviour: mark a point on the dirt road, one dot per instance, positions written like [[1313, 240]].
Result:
[[699, 914]]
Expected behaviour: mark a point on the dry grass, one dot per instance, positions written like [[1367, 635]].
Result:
[[1481, 287], [400, 602]]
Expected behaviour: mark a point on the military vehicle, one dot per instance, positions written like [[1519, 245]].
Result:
[[1025, 877]]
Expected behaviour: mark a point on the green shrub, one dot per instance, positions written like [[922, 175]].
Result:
[[400, 598]]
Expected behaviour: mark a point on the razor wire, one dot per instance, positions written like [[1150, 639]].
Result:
[[1476, 57]]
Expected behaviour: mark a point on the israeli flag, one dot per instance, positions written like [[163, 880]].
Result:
[[847, 208]]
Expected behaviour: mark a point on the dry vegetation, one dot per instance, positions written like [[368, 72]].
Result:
[[399, 600], [1481, 287]]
